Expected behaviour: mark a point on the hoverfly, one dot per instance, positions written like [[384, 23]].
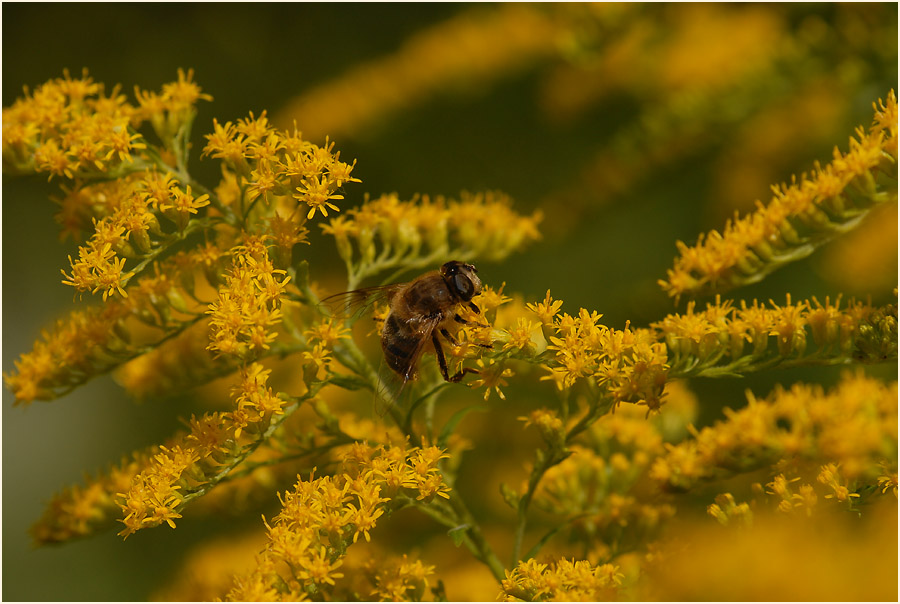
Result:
[[420, 310]]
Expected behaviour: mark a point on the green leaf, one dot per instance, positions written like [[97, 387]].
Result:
[[458, 533]]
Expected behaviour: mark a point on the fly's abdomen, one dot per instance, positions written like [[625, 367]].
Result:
[[399, 344]]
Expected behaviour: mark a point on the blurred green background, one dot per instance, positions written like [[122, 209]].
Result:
[[631, 127]]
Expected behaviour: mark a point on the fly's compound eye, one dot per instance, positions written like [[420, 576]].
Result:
[[464, 287]]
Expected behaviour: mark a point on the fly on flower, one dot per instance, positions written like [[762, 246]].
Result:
[[419, 311]]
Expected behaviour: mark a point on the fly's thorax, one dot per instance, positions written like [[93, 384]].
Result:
[[426, 296]]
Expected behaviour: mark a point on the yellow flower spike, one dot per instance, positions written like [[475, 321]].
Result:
[[751, 247], [819, 429]]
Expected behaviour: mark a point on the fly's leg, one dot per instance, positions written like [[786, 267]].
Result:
[[442, 362], [449, 337], [459, 319]]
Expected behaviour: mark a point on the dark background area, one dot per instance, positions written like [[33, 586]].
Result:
[[604, 252]]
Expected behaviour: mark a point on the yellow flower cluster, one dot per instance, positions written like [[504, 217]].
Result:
[[387, 233], [399, 580], [800, 216], [854, 425], [272, 165], [128, 217], [629, 365], [78, 347], [249, 303], [322, 517], [97, 339], [791, 496], [217, 284], [599, 488], [79, 511], [725, 340], [565, 580], [727, 511], [196, 461], [69, 127]]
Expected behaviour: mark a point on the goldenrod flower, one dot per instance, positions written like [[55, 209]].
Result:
[[249, 304], [341, 507], [386, 233], [567, 580], [799, 218], [492, 375], [401, 580], [848, 426], [193, 463], [726, 510], [204, 280]]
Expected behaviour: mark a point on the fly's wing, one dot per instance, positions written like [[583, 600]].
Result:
[[393, 389], [353, 304]]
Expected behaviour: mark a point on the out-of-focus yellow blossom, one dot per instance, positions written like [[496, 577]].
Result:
[[836, 558], [853, 425], [400, 580], [864, 259], [599, 488], [208, 570], [80, 511], [176, 365], [726, 510], [474, 47], [800, 217]]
